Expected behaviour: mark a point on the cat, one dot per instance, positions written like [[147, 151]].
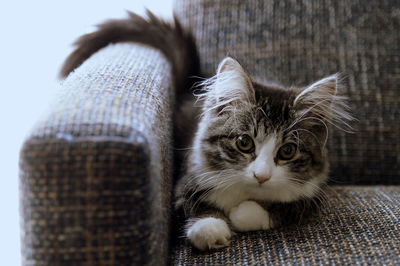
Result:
[[257, 158]]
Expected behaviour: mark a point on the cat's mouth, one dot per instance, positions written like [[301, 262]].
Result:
[[255, 186], [270, 186]]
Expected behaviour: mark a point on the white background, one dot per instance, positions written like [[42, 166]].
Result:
[[35, 38]]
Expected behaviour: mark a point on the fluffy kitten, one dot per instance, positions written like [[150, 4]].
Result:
[[257, 156]]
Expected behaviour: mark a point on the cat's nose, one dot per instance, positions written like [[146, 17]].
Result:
[[261, 178]]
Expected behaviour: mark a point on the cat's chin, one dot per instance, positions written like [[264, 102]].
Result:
[[227, 198], [273, 194], [282, 191]]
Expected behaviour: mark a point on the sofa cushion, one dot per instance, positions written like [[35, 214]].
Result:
[[297, 42], [360, 225]]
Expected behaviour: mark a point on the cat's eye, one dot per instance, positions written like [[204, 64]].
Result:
[[287, 151], [245, 144]]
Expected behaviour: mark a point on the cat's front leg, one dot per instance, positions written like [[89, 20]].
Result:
[[208, 232], [250, 216]]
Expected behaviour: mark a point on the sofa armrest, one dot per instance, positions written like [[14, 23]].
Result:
[[95, 173]]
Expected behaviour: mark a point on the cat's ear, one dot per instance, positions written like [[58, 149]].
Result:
[[233, 81], [321, 101], [231, 86], [323, 91]]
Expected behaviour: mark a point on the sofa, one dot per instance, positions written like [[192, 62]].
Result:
[[96, 170]]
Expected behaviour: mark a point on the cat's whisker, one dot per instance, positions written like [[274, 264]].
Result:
[[296, 136], [211, 178], [302, 182], [230, 184], [215, 183], [263, 112], [321, 123], [319, 193], [189, 184], [308, 131], [184, 149], [195, 204]]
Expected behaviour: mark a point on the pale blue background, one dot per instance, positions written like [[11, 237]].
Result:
[[35, 37]]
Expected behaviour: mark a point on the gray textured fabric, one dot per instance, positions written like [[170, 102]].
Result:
[[359, 226], [298, 42], [96, 170]]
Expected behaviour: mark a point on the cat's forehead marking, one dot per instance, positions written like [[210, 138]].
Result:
[[264, 126], [273, 106]]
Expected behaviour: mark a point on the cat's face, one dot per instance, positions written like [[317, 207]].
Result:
[[267, 140]]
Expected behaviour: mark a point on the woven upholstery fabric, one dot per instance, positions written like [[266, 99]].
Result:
[[96, 169], [359, 226], [300, 41]]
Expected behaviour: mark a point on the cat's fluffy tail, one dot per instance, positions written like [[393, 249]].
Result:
[[177, 45]]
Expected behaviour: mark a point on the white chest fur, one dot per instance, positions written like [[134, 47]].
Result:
[[226, 199]]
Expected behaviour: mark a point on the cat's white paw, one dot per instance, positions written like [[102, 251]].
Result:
[[250, 216], [209, 233]]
